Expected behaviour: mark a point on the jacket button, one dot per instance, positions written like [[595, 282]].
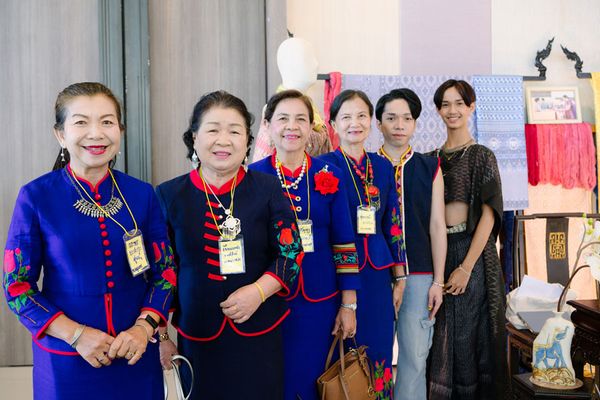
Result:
[[110, 284]]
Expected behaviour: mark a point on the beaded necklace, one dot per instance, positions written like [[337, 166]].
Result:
[[293, 185]]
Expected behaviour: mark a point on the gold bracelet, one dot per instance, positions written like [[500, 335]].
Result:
[[261, 291], [464, 270]]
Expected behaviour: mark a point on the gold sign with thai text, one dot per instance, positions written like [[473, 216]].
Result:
[[558, 245]]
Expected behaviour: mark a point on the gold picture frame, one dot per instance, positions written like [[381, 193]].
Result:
[[553, 105]]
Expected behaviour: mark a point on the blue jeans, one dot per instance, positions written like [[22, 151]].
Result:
[[415, 332]]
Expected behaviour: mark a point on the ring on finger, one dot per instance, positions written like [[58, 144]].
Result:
[[129, 354]]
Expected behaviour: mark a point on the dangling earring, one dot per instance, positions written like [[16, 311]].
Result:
[[195, 160], [62, 154], [245, 164]]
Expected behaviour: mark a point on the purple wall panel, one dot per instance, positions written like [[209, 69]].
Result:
[[440, 37]]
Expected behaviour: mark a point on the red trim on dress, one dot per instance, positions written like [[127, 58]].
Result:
[[211, 226], [216, 277], [235, 329], [213, 204], [421, 273], [226, 188], [368, 258], [210, 261], [437, 169], [90, 184], [301, 287], [108, 312], [198, 339], [359, 162], [294, 174], [285, 290], [59, 352], [163, 319], [209, 249], [210, 237], [40, 333], [269, 329]]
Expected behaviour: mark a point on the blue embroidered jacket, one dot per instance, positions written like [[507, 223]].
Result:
[[333, 265], [271, 246], [86, 273], [385, 248]]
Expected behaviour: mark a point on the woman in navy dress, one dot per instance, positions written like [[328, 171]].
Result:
[[371, 194], [93, 322], [325, 298], [239, 251]]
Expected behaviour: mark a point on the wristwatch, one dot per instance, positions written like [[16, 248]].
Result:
[[350, 306], [151, 321]]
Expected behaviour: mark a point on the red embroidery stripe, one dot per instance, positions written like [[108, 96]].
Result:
[[211, 226], [344, 250], [212, 262], [208, 215], [211, 249], [347, 266], [210, 237], [213, 204], [215, 277]]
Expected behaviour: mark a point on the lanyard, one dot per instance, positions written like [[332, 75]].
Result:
[[104, 211], [354, 180]]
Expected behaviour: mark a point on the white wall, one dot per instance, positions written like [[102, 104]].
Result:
[[349, 36], [520, 28]]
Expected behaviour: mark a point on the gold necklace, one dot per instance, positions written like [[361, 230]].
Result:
[[92, 209]]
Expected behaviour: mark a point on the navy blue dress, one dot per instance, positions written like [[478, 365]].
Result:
[[231, 360], [87, 278], [377, 254], [331, 267]]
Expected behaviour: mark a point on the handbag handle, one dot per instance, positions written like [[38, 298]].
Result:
[[178, 386], [340, 342]]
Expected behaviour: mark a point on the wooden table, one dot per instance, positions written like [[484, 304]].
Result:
[[524, 389], [520, 343], [586, 341]]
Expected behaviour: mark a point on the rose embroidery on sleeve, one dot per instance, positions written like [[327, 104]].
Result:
[[326, 182]]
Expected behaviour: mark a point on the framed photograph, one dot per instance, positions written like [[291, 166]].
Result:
[[553, 105]]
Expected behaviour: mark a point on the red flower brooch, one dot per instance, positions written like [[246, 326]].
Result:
[[326, 182]]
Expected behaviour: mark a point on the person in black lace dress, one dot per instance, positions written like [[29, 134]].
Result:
[[468, 356]]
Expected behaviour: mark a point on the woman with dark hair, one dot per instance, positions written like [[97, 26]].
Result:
[[237, 244], [323, 302], [89, 229], [376, 220], [468, 352]]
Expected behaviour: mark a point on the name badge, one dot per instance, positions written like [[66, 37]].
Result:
[[231, 256], [136, 252], [365, 220], [306, 235]]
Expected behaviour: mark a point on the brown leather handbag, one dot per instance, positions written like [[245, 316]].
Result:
[[349, 378]]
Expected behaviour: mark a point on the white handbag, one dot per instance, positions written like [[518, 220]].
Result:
[[178, 386]]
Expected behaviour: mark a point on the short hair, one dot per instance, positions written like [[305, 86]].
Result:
[[222, 99], [463, 88], [414, 103], [345, 96], [288, 94]]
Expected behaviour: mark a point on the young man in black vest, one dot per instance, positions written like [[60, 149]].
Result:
[[420, 188]]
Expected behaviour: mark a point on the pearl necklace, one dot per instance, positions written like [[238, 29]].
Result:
[[293, 185]]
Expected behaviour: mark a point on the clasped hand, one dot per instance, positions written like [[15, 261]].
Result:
[[99, 348], [457, 282]]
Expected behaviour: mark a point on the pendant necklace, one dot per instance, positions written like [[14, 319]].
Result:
[[231, 226], [93, 210]]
